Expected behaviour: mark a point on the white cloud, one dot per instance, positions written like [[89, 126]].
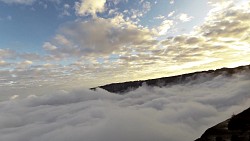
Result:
[[48, 46], [66, 8], [24, 64], [184, 17], [176, 113], [99, 36], [171, 1], [159, 17], [165, 26], [171, 14], [146, 6], [14, 97], [91, 7]]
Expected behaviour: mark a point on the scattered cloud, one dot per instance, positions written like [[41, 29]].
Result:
[[66, 10], [171, 14], [98, 36], [146, 6], [85, 7], [14, 97], [165, 26], [7, 53], [30, 56], [24, 64], [184, 17], [171, 1], [49, 47], [82, 51], [160, 17]]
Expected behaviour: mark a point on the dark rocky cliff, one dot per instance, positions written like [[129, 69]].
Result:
[[180, 79], [237, 128]]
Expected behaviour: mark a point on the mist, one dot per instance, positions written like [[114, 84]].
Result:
[[174, 113]]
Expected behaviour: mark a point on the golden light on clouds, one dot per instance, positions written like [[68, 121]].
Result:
[[95, 48]]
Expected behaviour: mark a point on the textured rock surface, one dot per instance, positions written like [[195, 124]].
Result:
[[237, 128]]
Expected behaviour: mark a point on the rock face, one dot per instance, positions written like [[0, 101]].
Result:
[[237, 128], [196, 77]]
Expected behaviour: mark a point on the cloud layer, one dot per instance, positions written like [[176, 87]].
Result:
[[176, 113]]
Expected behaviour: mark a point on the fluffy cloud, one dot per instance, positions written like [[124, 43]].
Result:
[[48, 46], [25, 64], [171, 14], [90, 7], [184, 17], [222, 38], [159, 17], [171, 1], [146, 6], [66, 10], [233, 28], [99, 36], [179, 112], [165, 26]]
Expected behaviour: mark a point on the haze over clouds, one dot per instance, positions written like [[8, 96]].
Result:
[[176, 113]]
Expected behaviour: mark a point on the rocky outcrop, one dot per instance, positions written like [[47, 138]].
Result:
[[237, 128], [196, 77]]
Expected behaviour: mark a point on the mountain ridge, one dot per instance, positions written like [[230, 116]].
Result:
[[124, 87]]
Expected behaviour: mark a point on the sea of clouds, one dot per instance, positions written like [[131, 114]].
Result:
[[174, 113]]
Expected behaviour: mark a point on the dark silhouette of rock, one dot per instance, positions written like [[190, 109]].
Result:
[[219, 139], [237, 128], [240, 122], [234, 138], [196, 77]]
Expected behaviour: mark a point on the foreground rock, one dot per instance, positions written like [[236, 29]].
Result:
[[237, 128]]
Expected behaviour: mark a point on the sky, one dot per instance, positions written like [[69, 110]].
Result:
[[86, 43]]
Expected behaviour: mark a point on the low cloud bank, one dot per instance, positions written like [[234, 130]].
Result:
[[176, 113]]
